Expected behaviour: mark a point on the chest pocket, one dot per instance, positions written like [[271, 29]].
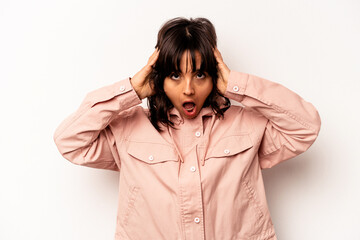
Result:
[[152, 153], [229, 146]]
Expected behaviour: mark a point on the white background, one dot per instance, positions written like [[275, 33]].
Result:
[[53, 52]]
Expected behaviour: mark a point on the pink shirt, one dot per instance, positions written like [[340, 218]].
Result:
[[202, 180]]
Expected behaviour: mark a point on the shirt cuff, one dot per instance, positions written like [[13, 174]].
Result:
[[236, 86], [132, 99], [122, 89]]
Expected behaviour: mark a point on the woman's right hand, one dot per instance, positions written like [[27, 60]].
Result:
[[140, 81]]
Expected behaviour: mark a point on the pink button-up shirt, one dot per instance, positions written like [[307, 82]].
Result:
[[201, 180]]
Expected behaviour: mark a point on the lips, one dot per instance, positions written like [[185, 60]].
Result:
[[189, 109]]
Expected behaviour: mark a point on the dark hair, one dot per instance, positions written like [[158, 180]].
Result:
[[174, 38]]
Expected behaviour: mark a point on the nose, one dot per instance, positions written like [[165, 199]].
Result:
[[188, 88]]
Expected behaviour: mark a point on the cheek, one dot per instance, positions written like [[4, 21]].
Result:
[[206, 92], [207, 88], [169, 90]]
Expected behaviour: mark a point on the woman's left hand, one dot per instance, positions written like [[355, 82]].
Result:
[[223, 72]]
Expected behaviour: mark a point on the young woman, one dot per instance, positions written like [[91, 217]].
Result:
[[190, 165]]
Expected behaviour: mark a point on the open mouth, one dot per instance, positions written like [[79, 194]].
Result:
[[189, 108]]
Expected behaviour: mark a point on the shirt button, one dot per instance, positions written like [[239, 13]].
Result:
[[151, 157], [226, 151], [197, 134], [122, 88], [193, 169], [236, 88], [197, 220]]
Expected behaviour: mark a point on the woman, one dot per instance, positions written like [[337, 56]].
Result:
[[190, 166]]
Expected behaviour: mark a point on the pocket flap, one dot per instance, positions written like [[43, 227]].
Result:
[[152, 152], [229, 146]]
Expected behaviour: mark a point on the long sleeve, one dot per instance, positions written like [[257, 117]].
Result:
[[293, 124], [84, 137]]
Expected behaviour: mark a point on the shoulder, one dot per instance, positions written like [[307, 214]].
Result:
[[131, 120], [131, 117], [133, 112], [240, 110], [244, 117]]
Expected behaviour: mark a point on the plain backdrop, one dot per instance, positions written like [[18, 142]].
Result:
[[54, 52]]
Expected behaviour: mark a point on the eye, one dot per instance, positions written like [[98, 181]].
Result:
[[175, 76], [200, 75]]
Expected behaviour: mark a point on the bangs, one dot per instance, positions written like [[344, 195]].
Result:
[[174, 65], [173, 50]]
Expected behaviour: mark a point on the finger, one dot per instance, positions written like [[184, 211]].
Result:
[[156, 52], [217, 55], [153, 57], [221, 64]]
